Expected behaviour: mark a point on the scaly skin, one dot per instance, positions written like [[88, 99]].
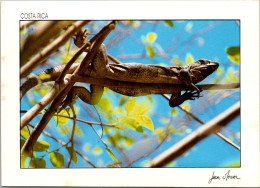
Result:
[[130, 72]]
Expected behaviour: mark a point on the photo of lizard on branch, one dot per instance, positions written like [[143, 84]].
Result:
[[100, 70]]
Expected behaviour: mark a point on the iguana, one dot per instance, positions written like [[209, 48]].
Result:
[[129, 72]]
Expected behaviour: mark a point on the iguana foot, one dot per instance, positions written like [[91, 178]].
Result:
[[177, 99]]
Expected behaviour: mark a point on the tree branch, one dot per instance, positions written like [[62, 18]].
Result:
[[56, 89], [40, 37], [163, 88], [46, 52], [100, 37], [202, 132]]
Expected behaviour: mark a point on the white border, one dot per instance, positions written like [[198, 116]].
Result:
[[246, 11]]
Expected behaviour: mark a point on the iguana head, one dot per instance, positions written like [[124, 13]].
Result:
[[202, 68]]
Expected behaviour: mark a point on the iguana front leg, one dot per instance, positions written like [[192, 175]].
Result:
[[176, 98]]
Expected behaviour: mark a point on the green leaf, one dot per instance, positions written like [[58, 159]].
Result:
[[24, 133], [23, 158], [73, 155], [151, 37], [234, 54], [105, 105], [112, 155], [150, 51], [140, 129], [169, 23], [122, 100], [57, 159], [41, 146], [130, 104], [145, 121], [21, 143], [37, 163]]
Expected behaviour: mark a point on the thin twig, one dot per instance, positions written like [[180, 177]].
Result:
[[201, 122], [149, 153], [81, 120], [63, 143], [192, 139]]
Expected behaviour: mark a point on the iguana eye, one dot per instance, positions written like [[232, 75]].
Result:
[[204, 61]]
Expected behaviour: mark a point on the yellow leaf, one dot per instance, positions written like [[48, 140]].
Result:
[[61, 120], [44, 76], [24, 133], [151, 37], [56, 159], [189, 59], [145, 121], [112, 155], [105, 105], [159, 131], [219, 71], [37, 163], [130, 122], [97, 151], [173, 111], [86, 147], [150, 51], [141, 108], [164, 120], [40, 146], [72, 154], [186, 106], [130, 104], [128, 141], [188, 27], [177, 62], [78, 131], [23, 158]]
